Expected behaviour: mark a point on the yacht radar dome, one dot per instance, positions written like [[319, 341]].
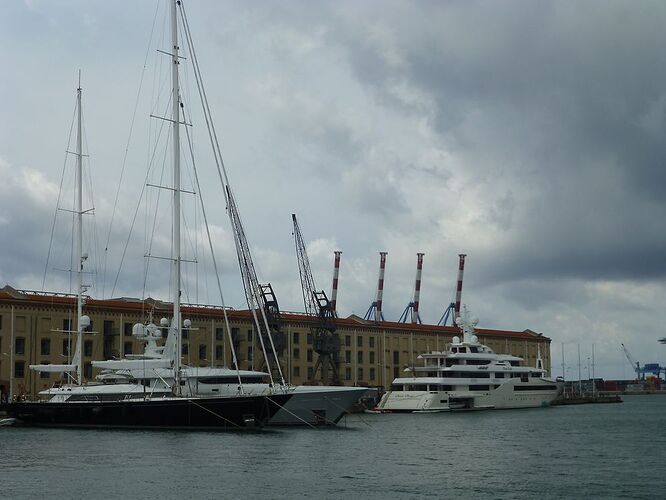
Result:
[[164, 322], [138, 330], [187, 323], [475, 339], [456, 340], [85, 321]]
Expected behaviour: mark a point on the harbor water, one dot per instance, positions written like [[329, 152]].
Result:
[[594, 451]]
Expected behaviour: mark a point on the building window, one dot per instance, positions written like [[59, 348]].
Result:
[[128, 347], [235, 335], [219, 334], [44, 374], [250, 353], [372, 357], [396, 371], [348, 340], [185, 334], [297, 353], [360, 373], [87, 370], [372, 374], [359, 357], [202, 351], [19, 345], [19, 369], [309, 339], [359, 341], [108, 327], [347, 373], [396, 357], [127, 329], [372, 341], [65, 347], [0, 321], [297, 371], [310, 373], [66, 325], [87, 348], [185, 349], [347, 356], [296, 337], [219, 352], [249, 335], [310, 355], [45, 347]]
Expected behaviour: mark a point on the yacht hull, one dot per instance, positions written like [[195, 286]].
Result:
[[221, 413], [317, 405], [504, 397]]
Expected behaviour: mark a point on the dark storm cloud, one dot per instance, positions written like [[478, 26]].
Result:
[[566, 101]]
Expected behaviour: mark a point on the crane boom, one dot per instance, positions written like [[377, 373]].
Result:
[[326, 342], [634, 364], [261, 299]]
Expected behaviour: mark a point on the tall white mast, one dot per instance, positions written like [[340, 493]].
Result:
[[175, 116], [79, 236]]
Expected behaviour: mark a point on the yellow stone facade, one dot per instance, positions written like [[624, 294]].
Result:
[[372, 354]]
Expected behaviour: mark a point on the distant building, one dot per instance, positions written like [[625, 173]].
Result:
[[371, 353]]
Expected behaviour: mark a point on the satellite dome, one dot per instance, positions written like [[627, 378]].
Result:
[[84, 322], [138, 330], [456, 340]]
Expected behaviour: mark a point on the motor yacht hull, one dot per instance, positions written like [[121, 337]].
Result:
[[219, 413], [317, 405], [509, 395]]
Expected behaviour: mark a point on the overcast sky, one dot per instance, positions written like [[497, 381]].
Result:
[[528, 135]]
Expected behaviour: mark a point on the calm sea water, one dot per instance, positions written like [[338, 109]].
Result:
[[594, 451]]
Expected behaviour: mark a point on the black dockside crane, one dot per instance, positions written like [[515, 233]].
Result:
[[261, 299], [326, 342]]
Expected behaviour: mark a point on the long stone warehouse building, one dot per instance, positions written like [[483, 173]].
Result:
[[372, 353]]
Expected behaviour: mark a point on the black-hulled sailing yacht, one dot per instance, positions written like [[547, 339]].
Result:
[[130, 405]]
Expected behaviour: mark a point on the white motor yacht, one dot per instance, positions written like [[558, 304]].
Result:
[[469, 376]]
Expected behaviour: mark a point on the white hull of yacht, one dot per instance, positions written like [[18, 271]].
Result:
[[531, 395], [317, 405], [309, 404]]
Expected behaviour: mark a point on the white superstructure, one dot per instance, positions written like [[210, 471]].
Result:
[[469, 375]]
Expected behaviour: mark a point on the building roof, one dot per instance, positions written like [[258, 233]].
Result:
[[10, 295]]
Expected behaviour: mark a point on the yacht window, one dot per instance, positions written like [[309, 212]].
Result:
[[534, 388], [499, 375], [463, 349], [514, 363], [454, 349], [479, 374], [496, 387], [535, 374], [479, 387], [452, 361], [473, 349]]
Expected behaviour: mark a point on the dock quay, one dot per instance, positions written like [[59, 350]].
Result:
[[587, 399]]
